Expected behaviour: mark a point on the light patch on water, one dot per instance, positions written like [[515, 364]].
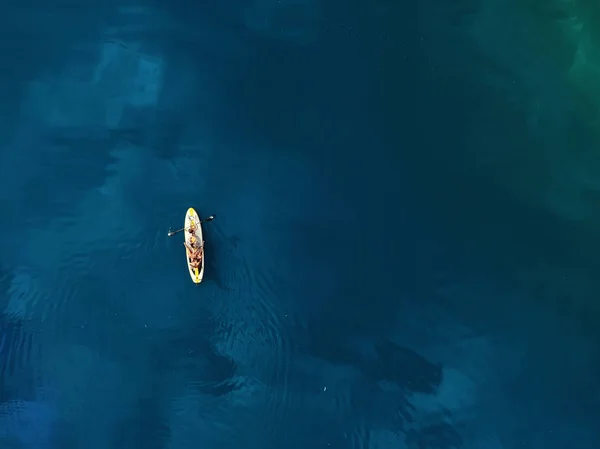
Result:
[[22, 298], [456, 394], [135, 10], [123, 78], [296, 21], [135, 20], [386, 439], [127, 78], [128, 168], [106, 209]]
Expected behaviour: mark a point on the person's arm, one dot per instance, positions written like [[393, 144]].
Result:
[[190, 249]]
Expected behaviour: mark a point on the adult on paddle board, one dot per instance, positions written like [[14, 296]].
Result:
[[194, 243], [172, 233], [195, 251]]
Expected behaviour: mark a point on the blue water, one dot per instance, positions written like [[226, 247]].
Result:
[[383, 271]]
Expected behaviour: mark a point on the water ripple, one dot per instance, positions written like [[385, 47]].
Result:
[[19, 350], [276, 341], [253, 327]]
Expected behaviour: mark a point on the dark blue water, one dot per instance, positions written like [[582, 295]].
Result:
[[404, 254]]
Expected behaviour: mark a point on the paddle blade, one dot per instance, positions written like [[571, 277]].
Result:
[[209, 218]]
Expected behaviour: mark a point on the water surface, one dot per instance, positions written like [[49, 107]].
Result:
[[394, 263]]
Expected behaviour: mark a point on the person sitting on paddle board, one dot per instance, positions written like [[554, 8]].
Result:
[[195, 264], [195, 253]]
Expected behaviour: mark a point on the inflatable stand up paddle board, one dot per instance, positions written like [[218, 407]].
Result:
[[192, 218]]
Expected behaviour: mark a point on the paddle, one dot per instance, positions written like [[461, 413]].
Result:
[[172, 233]]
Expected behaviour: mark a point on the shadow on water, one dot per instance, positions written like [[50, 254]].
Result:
[[213, 247], [147, 425], [221, 249], [384, 360], [191, 354], [406, 368]]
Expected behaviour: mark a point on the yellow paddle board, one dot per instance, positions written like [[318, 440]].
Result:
[[191, 217]]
